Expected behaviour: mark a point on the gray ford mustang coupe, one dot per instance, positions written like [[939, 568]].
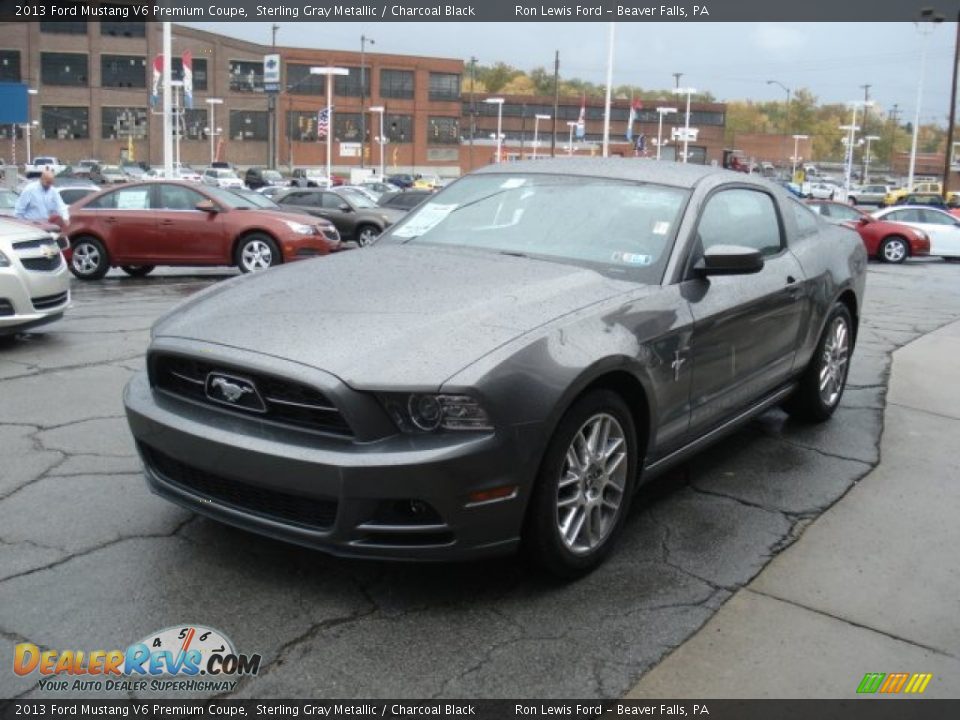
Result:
[[505, 366]]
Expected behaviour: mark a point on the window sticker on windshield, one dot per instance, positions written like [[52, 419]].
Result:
[[632, 258], [427, 218], [661, 228], [132, 200], [513, 183]]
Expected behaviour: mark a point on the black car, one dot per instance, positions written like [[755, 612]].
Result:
[[356, 216], [405, 201], [256, 178], [505, 366]]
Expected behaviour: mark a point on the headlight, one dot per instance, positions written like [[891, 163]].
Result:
[[4, 260], [425, 412], [299, 228]]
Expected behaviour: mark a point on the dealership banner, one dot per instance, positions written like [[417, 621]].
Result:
[[487, 709], [462, 10]]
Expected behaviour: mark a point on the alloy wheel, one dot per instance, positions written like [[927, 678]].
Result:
[[367, 236], [833, 368], [256, 255], [86, 258], [894, 251], [592, 481]]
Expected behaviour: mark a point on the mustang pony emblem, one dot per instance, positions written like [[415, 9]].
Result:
[[231, 391]]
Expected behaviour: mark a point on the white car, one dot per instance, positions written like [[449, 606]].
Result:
[[868, 194], [41, 163], [942, 227], [34, 281], [221, 177], [820, 191]]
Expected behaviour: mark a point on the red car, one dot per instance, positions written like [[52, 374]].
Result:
[[141, 225], [887, 241]]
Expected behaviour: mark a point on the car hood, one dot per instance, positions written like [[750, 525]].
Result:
[[390, 316], [391, 214]]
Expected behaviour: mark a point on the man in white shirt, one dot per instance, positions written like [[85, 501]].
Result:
[[40, 201]]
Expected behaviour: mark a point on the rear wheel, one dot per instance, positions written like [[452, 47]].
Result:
[[89, 260], [366, 234], [894, 249], [256, 252], [822, 383], [138, 270], [584, 486]]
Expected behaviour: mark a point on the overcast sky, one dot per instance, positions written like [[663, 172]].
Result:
[[731, 60]]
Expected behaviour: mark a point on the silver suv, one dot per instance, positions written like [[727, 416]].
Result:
[[34, 281], [868, 195]]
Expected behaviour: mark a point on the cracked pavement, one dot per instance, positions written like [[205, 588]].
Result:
[[90, 559]]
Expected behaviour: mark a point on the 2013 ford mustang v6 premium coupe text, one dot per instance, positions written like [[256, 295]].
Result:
[[504, 366]]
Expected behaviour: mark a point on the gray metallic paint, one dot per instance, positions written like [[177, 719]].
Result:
[[525, 336]]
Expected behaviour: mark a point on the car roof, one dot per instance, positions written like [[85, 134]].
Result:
[[684, 175]]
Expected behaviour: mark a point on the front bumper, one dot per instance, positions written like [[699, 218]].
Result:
[[29, 298], [339, 495]]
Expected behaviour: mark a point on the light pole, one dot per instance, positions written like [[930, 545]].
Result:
[[498, 101], [926, 16], [606, 106], [866, 159], [686, 126], [380, 110], [948, 155], [363, 93], [786, 115], [570, 124], [27, 127], [329, 73], [536, 128], [213, 102], [661, 111], [851, 140], [796, 152]]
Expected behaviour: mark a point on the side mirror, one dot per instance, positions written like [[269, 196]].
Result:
[[865, 220], [206, 206], [729, 260], [345, 207]]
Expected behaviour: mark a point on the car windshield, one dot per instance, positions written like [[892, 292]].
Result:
[[358, 198], [8, 199], [229, 198], [255, 198], [113, 169], [617, 226], [272, 175], [225, 174]]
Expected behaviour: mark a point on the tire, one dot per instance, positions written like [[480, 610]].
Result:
[[138, 270], [367, 234], [570, 495], [894, 249], [809, 402], [89, 260], [852, 201], [256, 252]]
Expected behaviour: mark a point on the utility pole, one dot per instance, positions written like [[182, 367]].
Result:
[[473, 104], [676, 80], [894, 124], [272, 110], [953, 113], [556, 103], [866, 130], [363, 95]]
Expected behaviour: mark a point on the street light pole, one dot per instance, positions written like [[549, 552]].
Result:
[[363, 94], [536, 128], [686, 126], [498, 101], [953, 113], [786, 114], [329, 73], [380, 110], [926, 15], [867, 158], [851, 140], [661, 111], [796, 152], [606, 106], [213, 102]]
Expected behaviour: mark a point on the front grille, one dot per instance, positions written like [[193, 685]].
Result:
[[310, 512], [6, 307], [332, 234], [49, 301], [284, 402], [43, 264]]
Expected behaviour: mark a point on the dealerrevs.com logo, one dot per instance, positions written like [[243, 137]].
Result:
[[185, 658]]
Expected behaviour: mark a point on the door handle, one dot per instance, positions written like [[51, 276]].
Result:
[[111, 219], [166, 222], [794, 289]]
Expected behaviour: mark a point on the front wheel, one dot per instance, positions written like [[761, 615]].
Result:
[[256, 252], [822, 383], [138, 270], [89, 260], [584, 486], [894, 250], [366, 234]]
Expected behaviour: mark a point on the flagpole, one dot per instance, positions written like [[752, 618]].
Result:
[[167, 120], [606, 112]]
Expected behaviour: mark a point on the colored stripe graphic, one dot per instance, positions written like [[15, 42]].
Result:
[[918, 683], [913, 683], [894, 682], [871, 683]]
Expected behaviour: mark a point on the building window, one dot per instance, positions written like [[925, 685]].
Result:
[[398, 128], [199, 71], [127, 71], [246, 76], [396, 84], [120, 123], [301, 82], [302, 126], [123, 29], [64, 28], [346, 127], [443, 131], [248, 125], [10, 65], [64, 123], [64, 69], [444, 86], [349, 85], [193, 122]]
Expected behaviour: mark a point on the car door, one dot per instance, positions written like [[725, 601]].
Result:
[[332, 208], [746, 327], [126, 222], [944, 232], [305, 200], [188, 236]]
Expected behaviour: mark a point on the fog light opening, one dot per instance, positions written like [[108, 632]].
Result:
[[498, 494]]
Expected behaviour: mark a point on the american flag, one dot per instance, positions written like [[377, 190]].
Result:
[[323, 122]]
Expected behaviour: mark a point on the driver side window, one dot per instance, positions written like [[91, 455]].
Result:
[[741, 217]]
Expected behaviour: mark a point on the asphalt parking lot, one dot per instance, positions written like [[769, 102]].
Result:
[[89, 559]]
